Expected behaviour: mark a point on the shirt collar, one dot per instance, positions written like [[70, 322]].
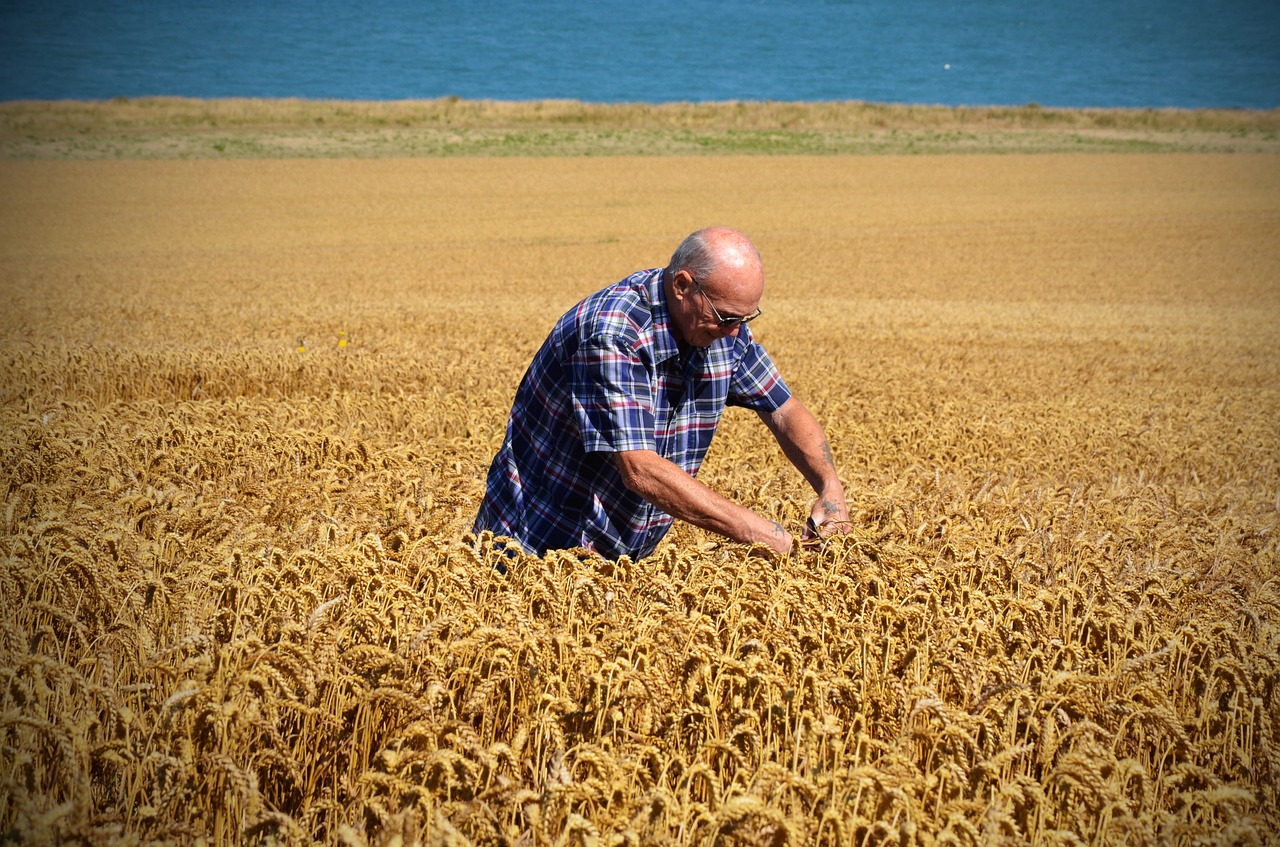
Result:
[[664, 341]]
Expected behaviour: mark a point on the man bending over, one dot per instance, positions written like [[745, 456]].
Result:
[[615, 414]]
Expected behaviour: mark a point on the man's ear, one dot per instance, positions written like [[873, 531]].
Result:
[[681, 282]]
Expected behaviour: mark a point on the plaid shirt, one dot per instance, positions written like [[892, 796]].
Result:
[[610, 378]]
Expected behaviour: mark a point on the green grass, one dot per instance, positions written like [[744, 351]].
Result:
[[167, 128]]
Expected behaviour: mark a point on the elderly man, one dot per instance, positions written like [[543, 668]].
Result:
[[615, 414]]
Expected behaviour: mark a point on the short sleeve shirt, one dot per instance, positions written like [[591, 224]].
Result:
[[610, 378]]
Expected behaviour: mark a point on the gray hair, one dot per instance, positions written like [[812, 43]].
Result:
[[695, 256]]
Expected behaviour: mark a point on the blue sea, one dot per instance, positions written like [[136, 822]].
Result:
[[1105, 53]]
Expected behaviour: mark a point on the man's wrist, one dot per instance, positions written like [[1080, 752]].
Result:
[[832, 497]]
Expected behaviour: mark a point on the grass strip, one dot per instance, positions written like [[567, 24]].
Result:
[[182, 128]]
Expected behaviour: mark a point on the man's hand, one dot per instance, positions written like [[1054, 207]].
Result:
[[829, 516], [779, 541]]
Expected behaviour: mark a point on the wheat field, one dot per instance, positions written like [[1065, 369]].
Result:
[[246, 409]]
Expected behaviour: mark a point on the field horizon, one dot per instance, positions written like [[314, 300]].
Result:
[[247, 406], [172, 127]]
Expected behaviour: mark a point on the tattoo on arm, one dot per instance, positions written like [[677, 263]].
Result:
[[778, 529], [826, 453]]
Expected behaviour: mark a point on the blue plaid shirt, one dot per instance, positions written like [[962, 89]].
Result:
[[610, 378]]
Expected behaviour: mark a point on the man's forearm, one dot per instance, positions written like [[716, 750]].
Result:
[[667, 486], [805, 445]]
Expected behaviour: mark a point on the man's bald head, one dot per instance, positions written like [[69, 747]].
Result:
[[723, 260], [714, 273]]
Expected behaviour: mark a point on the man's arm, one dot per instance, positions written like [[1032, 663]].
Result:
[[671, 489], [805, 444]]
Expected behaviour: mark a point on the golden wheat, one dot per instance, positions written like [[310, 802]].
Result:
[[246, 412]]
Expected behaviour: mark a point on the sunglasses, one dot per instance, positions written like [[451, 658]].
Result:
[[725, 321]]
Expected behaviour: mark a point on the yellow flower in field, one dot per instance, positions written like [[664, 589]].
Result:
[[342, 338], [302, 345]]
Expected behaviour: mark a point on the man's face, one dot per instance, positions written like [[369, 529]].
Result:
[[707, 310]]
